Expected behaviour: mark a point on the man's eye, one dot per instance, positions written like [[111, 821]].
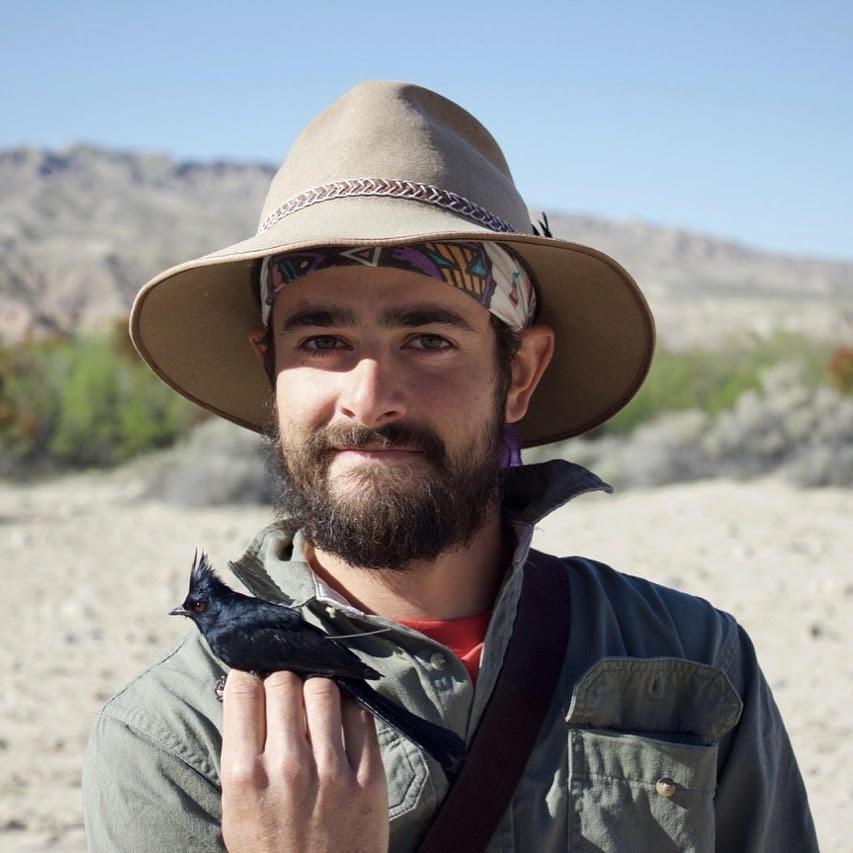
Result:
[[430, 342], [322, 343]]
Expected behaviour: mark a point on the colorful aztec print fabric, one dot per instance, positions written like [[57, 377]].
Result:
[[486, 271]]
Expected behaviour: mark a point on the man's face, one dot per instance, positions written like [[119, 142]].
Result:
[[389, 426]]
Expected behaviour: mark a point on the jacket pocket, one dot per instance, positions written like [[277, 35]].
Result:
[[636, 793], [406, 773], [643, 754]]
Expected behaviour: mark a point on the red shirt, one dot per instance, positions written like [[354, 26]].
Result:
[[464, 637]]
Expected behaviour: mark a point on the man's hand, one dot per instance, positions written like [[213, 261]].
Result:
[[301, 769]]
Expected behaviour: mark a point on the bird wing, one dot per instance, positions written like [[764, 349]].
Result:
[[271, 615], [305, 650]]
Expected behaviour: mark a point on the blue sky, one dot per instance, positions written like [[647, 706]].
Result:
[[733, 119]]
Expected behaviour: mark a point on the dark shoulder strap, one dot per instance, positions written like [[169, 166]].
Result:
[[513, 716]]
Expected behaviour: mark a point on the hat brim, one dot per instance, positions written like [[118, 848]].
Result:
[[191, 322]]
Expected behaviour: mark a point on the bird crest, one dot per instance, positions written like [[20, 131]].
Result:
[[202, 576]]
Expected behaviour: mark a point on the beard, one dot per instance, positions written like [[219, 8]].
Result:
[[386, 516]]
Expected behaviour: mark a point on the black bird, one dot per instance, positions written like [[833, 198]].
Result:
[[259, 636]]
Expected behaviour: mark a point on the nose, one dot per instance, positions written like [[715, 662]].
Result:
[[372, 395]]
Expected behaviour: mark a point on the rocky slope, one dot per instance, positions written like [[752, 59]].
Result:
[[81, 229]]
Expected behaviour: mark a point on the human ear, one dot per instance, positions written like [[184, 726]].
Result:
[[260, 343], [534, 354], [257, 340]]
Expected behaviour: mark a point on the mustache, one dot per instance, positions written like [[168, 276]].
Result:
[[388, 437]]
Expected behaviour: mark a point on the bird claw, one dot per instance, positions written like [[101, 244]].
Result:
[[219, 687]]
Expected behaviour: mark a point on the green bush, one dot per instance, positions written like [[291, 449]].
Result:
[[713, 381], [82, 402]]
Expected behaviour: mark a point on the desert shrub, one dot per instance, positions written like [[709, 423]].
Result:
[[840, 369], [79, 402], [804, 433], [215, 463], [31, 376], [787, 426], [713, 381], [110, 410]]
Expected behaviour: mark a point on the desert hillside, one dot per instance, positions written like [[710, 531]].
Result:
[[81, 229]]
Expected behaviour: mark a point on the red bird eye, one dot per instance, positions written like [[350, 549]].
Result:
[[200, 606]]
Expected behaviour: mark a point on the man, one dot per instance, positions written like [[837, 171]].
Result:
[[415, 333]]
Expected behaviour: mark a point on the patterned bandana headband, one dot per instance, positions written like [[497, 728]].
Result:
[[488, 272]]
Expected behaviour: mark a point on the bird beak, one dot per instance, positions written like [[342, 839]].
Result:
[[179, 611]]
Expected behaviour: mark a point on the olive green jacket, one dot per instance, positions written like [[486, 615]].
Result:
[[663, 734]]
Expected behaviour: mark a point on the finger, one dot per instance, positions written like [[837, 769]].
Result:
[[285, 720], [362, 747], [243, 716], [370, 768], [323, 715], [357, 724]]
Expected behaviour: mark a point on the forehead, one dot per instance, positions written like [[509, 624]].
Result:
[[367, 291]]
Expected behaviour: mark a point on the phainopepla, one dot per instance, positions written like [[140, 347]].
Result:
[[259, 636]]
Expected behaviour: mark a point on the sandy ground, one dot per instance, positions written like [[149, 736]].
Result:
[[90, 576]]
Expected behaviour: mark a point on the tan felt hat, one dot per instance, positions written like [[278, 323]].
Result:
[[386, 164]]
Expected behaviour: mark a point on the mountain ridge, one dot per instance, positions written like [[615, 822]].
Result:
[[83, 227]]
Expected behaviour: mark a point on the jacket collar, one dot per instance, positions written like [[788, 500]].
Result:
[[273, 566]]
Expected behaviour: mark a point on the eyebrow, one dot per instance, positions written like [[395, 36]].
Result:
[[425, 314], [409, 316], [323, 316]]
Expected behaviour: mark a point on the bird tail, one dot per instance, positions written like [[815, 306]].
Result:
[[447, 748]]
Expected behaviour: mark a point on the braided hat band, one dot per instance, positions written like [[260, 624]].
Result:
[[488, 272], [393, 187]]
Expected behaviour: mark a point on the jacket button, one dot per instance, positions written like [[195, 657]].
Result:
[[665, 787], [438, 661]]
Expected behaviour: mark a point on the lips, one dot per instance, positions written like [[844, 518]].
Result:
[[405, 441], [378, 454]]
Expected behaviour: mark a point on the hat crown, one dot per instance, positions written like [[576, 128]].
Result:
[[400, 131]]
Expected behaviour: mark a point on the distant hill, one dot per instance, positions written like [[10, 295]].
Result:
[[82, 229]]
